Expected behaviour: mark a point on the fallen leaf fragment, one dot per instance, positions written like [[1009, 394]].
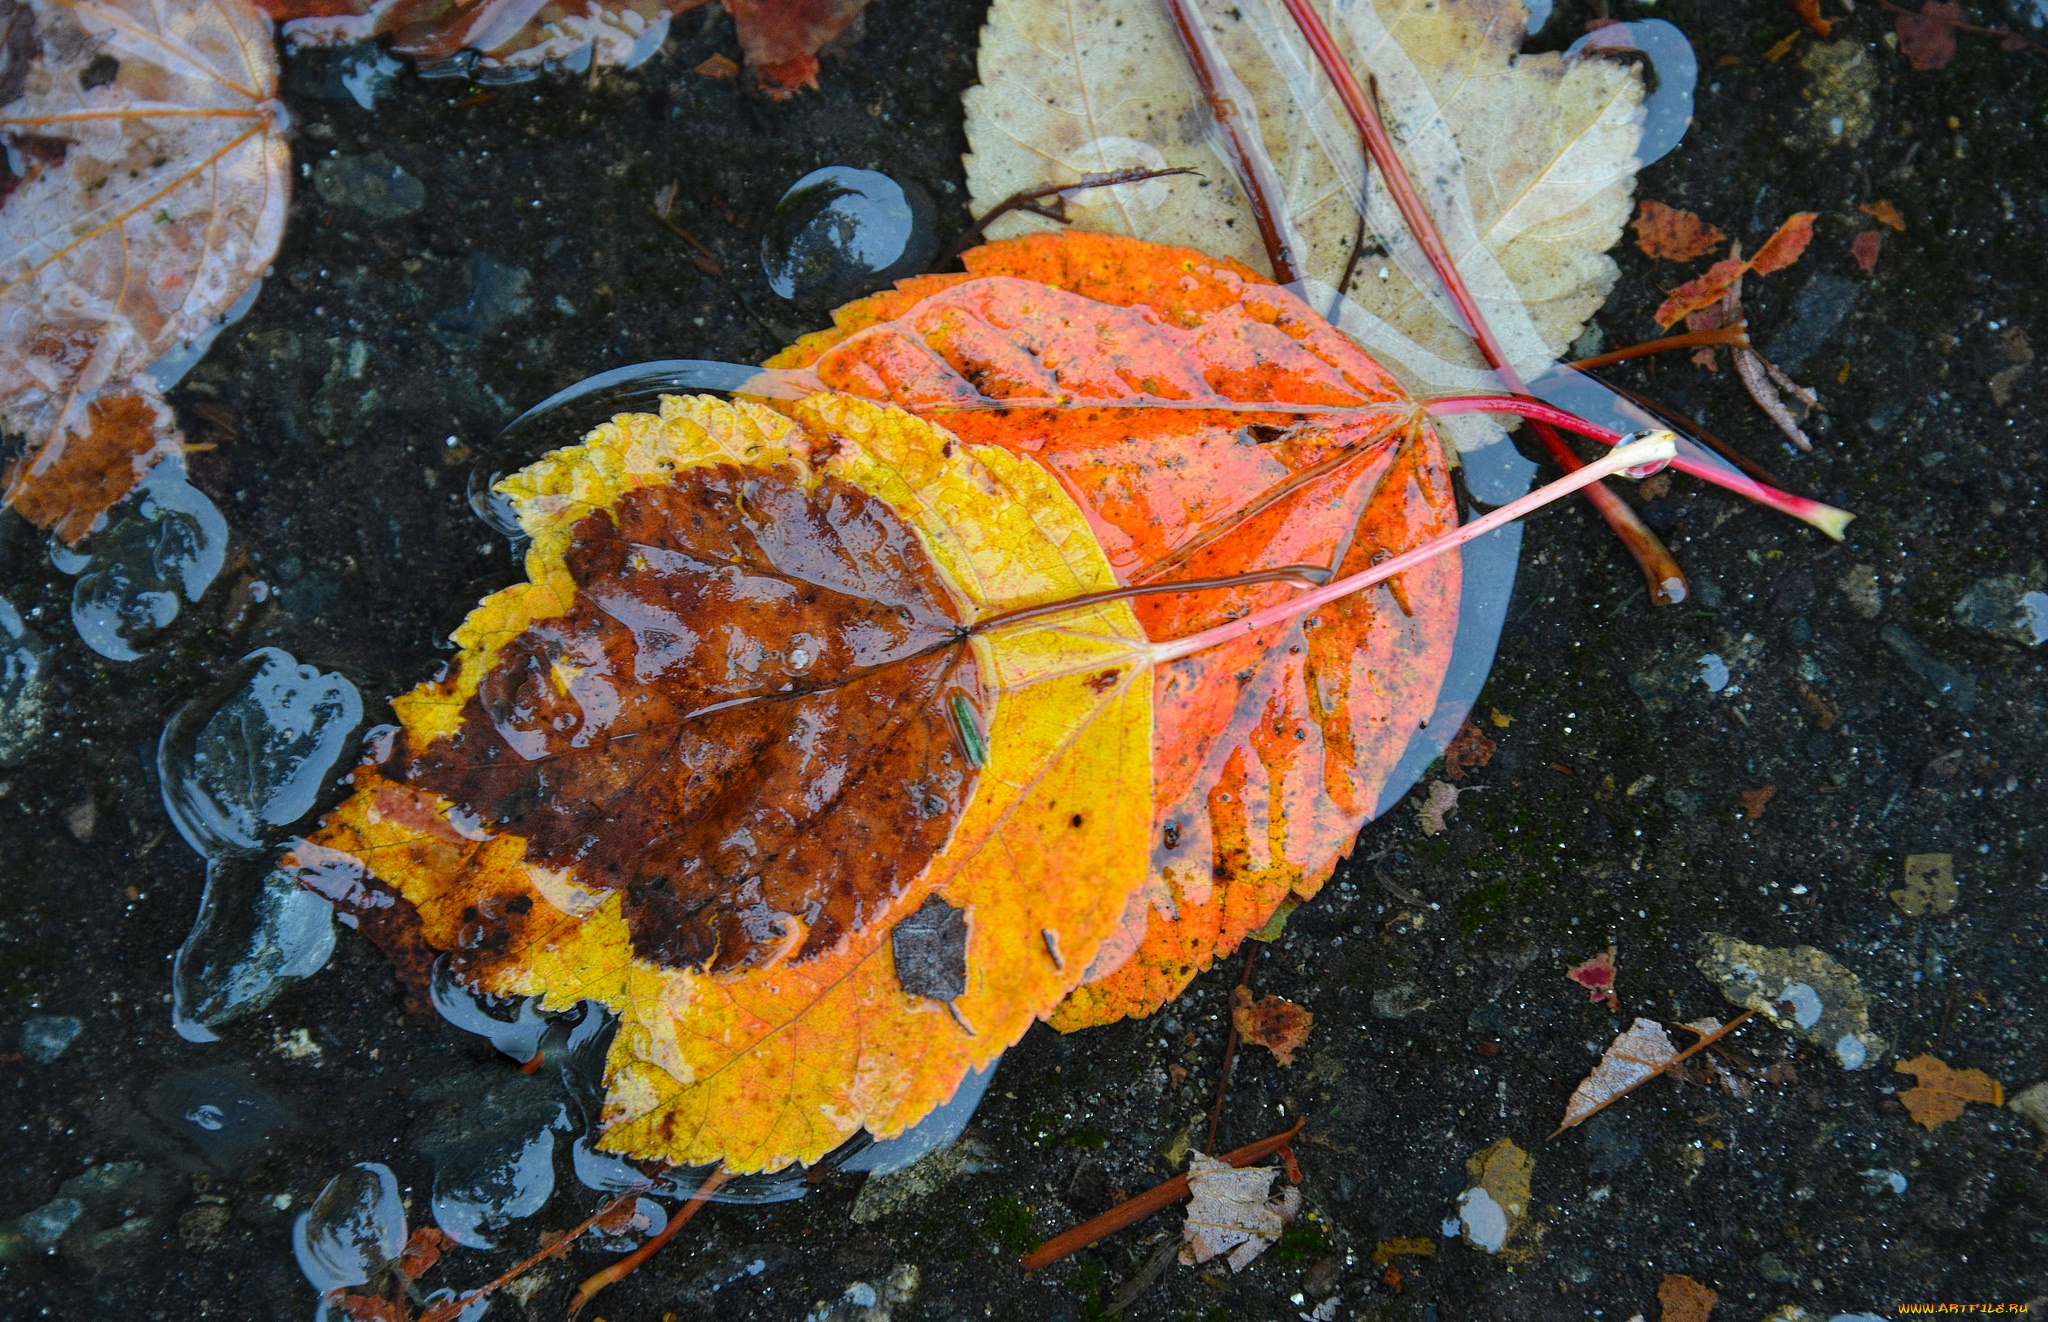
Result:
[[1231, 1213], [1809, 13], [1785, 245], [1884, 213], [1636, 1056], [1495, 1207], [1596, 975], [2032, 1103], [1928, 39], [1442, 798], [1864, 248], [153, 197], [1468, 751], [1681, 1298], [717, 66], [1943, 1090], [1387, 1250], [1755, 801], [1273, 1022], [1665, 233], [1927, 885]]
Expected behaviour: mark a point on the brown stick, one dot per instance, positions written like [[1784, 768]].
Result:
[[1244, 979], [448, 1309], [1736, 336], [624, 1266], [1133, 1210]]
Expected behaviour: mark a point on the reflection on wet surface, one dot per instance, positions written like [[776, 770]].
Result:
[[161, 549], [839, 233]]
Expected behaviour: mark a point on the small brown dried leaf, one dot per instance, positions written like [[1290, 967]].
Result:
[[1943, 1090], [1273, 1022], [1683, 1299], [1667, 234], [1469, 750]]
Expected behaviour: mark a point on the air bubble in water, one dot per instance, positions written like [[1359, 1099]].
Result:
[[1673, 74], [163, 546], [839, 233]]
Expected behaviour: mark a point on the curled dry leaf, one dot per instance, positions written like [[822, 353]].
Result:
[[153, 199], [1126, 369], [1438, 804], [1469, 750], [1087, 86], [1231, 1213], [1884, 213], [1273, 1022], [1942, 1090]]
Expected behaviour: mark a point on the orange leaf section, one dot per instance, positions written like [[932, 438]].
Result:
[[1682, 1299], [1942, 1090], [783, 1059], [75, 478], [1134, 373], [1670, 235], [1272, 1022], [1885, 213], [1778, 252], [1784, 247], [1809, 14]]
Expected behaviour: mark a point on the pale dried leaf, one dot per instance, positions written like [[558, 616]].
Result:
[[1443, 797], [1638, 1054], [1079, 86], [156, 201], [1230, 1212]]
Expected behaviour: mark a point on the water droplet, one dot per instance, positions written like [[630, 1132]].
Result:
[[209, 1117], [492, 507], [514, 1024], [354, 1230], [491, 1138], [258, 931], [1674, 71], [839, 233], [164, 543], [1713, 672], [234, 769]]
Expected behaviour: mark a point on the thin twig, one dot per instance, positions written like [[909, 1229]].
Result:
[[449, 1309], [1230, 1048], [619, 1270], [1133, 1210], [1031, 201], [1666, 1068]]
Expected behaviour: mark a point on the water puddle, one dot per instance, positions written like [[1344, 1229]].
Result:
[[161, 549]]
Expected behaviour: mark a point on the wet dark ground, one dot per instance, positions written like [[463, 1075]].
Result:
[[1611, 813]]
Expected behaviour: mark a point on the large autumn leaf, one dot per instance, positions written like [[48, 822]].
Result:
[[753, 759], [1070, 87], [153, 197], [1209, 424]]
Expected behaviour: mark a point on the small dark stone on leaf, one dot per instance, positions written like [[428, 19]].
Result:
[[931, 950]]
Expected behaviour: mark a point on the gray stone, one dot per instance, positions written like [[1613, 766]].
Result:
[[373, 184], [47, 1036]]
